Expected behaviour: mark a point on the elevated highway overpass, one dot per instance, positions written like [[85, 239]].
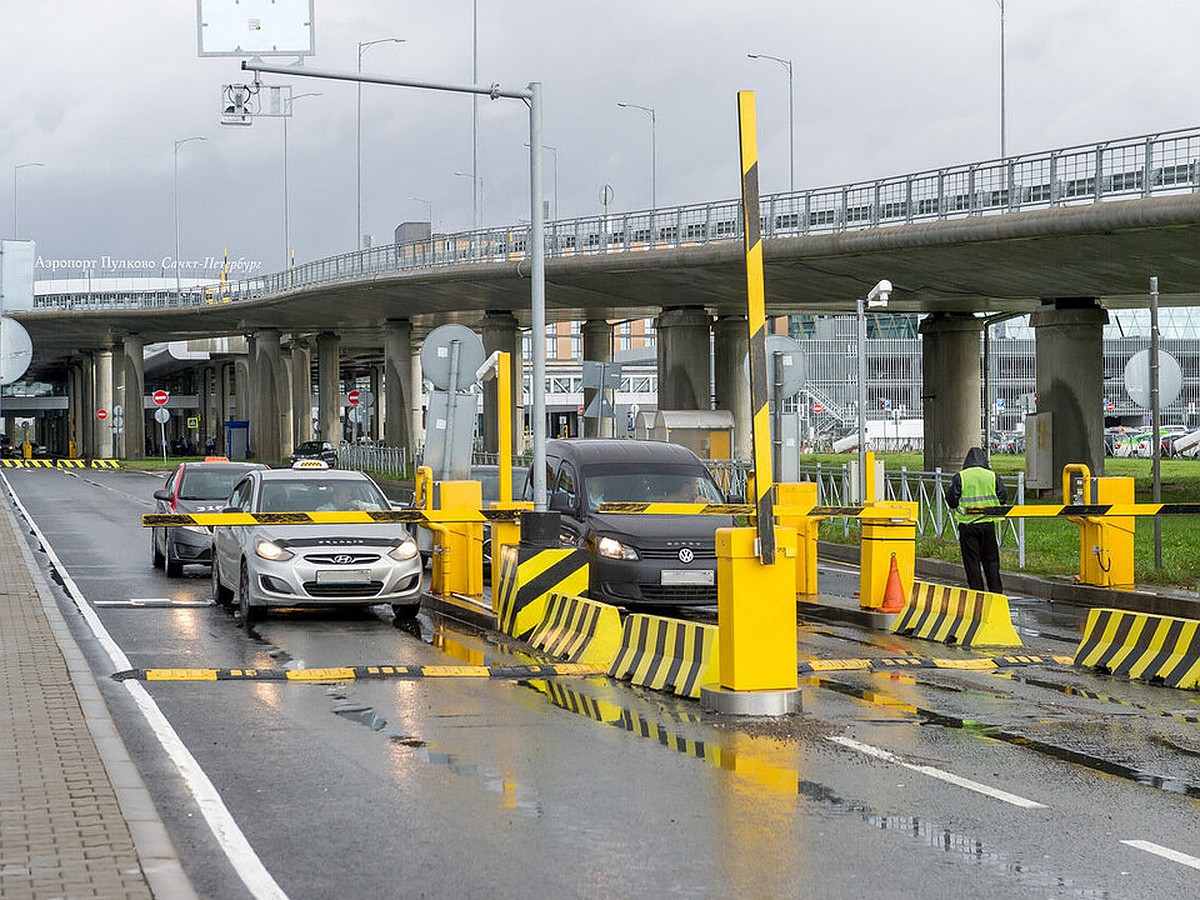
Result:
[[1063, 235]]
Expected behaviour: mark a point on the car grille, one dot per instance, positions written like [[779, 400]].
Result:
[[362, 589], [342, 559], [679, 593], [673, 552]]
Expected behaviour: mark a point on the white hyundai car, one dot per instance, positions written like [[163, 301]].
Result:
[[263, 566]]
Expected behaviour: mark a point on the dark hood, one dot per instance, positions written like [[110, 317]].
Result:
[[976, 458], [641, 527]]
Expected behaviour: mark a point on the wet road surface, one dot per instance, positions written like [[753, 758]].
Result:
[[1030, 782]]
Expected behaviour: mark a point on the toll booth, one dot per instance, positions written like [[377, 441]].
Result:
[[706, 432]]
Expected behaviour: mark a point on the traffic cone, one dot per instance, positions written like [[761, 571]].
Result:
[[893, 594]]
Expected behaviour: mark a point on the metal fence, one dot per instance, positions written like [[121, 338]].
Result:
[[1143, 166], [393, 462]]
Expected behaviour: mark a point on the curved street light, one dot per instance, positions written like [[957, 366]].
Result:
[[175, 193], [787, 64], [288, 262], [362, 45], [653, 151], [16, 203]]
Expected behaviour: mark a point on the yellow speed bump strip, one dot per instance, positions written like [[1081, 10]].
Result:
[[373, 517], [895, 663], [353, 673], [60, 463]]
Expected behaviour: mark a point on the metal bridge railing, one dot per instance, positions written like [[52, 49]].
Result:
[[1143, 166], [390, 461]]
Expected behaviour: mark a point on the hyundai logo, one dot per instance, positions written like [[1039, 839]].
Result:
[[686, 555], [343, 559]]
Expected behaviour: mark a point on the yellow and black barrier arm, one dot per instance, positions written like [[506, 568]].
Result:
[[1083, 510], [366, 517], [751, 511]]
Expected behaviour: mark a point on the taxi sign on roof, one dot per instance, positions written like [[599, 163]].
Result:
[[310, 464]]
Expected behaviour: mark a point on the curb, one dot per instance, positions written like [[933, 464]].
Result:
[[156, 852], [1055, 591]]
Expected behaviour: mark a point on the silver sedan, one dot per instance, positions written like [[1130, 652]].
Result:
[[263, 566]]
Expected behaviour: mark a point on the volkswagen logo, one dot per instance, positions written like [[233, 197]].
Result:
[[343, 559], [686, 555]]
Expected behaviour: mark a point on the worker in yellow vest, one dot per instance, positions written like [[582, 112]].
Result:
[[974, 487]]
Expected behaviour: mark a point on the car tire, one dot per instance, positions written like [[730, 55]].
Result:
[[172, 566], [156, 558], [222, 595], [250, 614], [406, 610]]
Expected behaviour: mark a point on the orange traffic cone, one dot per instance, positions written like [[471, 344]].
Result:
[[893, 594]]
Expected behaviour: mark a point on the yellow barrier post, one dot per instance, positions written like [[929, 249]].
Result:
[[458, 546], [801, 494], [881, 538], [1105, 543]]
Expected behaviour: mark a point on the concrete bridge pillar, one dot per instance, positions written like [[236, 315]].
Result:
[[225, 410], [500, 332], [417, 411], [271, 427], [597, 347], [731, 343], [87, 404], [1069, 347], [329, 387], [683, 342], [73, 406], [242, 389], [375, 376], [950, 390], [134, 365], [118, 393], [396, 402], [302, 428], [104, 400]]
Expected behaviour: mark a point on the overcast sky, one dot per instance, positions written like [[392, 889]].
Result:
[[100, 91]]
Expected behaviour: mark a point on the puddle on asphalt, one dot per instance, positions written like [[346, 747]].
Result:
[[1167, 783], [1074, 690]]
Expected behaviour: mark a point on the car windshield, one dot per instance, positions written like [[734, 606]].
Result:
[[341, 495], [309, 447], [489, 482], [660, 484], [208, 484]]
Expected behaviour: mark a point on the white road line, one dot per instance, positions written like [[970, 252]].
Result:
[[1165, 852], [224, 828], [949, 777]]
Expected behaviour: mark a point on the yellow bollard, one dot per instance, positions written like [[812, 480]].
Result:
[[756, 612], [801, 494], [894, 534]]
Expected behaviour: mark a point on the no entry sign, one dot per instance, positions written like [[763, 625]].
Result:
[[160, 398], [102, 414], [352, 398]]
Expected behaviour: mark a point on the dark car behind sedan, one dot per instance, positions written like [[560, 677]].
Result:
[[194, 487], [322, 450], [636, 559]]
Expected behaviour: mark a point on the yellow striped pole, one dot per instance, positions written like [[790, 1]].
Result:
[[757, 321]]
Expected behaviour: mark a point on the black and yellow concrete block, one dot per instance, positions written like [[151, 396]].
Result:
[[667, 654], [955, 615], [579, 629], [1159, 649], [528, 577]]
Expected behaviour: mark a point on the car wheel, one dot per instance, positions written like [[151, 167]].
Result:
[[173, 566], [222, 595], [406, 610], [250, 614], [156, 558]]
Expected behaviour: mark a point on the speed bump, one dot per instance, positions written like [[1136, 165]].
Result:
[[359, 673], [60, 463], [667, 654], [957, 615], [528, 577], [579, 629], [1159, 649]]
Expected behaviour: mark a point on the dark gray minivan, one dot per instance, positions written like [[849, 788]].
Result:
[[636, 559]]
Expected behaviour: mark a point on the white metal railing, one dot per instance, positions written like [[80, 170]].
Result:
[[394, 462], [1143, 166]]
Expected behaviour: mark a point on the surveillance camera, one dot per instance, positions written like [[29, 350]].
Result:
[[880, 294]]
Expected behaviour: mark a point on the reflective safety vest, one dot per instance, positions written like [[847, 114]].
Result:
[[978, 489]]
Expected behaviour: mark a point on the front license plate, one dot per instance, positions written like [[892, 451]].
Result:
[[343, 576], [688, 576]]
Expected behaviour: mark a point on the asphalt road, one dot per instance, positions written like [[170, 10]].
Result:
[[931, 783]]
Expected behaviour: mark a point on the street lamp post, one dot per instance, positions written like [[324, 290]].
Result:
[[476, 191], [429, 208], [653, 153], [878, 296], [287, 215], [787, 64], [1003, 143], [554, 153], [362, 45], [175, 193], [16, 204]]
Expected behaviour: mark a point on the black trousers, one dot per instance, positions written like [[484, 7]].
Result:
[[980, 555]]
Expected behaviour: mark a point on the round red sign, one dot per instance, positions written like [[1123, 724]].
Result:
[[818, 408], [102, 414], [160, 398], [352, 398]]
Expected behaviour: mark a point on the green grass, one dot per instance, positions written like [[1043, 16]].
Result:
[[1052, 545]]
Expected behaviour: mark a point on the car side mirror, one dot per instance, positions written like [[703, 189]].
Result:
[[231, 509], [163, 494], [561, 503]]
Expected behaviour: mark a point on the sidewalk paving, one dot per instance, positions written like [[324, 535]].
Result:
[[76, 819]]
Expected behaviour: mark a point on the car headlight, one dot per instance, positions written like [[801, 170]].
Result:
[[614, 549], [407, 550], [271, 550]]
